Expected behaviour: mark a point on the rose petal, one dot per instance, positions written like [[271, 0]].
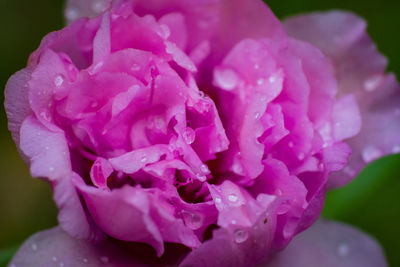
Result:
[[54, 247], [360, 70], [17, 101], [48, 151], [330, 244]]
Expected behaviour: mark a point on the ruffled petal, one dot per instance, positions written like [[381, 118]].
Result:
[[360, 70], [17, 102], [330, 244], [47, 150]]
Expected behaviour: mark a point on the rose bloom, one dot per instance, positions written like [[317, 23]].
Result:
[[199, 133]]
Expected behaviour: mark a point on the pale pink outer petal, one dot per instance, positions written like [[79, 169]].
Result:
[[54, 247], [17, 101], [330, 244], [47, 150], [360, 70]]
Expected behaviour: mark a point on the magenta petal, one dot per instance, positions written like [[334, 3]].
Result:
[[54, 247], [123, 214], [360, 70], [330, 244]]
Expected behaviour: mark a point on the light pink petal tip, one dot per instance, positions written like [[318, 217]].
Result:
[[360, 70], [330, 244]]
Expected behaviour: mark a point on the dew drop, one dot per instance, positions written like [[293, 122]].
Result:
[[189, 135], [349, 171], [193, 220], [372, 83], [58, 80], [94, 104], [343, 250], [301, 156], [272, 79], [396, 149], [227, 79], [218, 200], [232, 198], [290, 144], [257, 116], [201, 94], [240, 236], [143, 159], [71, 14], [51, 169], [54, 258], [135, 67], [104, 259], [85, 260], [61, 264], [45, 115], [34, 247], [260, 81], [233, 221], [98, 7], [204, 168], [201, 177], [370, 153], [256, 66]]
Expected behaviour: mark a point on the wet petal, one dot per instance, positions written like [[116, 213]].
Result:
[[360, 70], [330, 244], [54, 247]]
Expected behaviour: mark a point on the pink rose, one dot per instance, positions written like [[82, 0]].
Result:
[[204, 129]]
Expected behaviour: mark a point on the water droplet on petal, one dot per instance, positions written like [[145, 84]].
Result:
[[272, 79], [240, 236], [189, 135], [61, 264], [58, 80], [370, 153], [301, 156], [54, 258], [34, 247], [349, 171], [260, 81], [257, 116], [290, 144], [71, 14], [372, 83], [98, 6], [396, 149], [232, 198], [226, 79], [218, 200], [233, 221], [51, 169], [45, 115], [204, 168], [85, 260], [193, 220], [143, 159], [135, 67], [104, 259], [343, 250]]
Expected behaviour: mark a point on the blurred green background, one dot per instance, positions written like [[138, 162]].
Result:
[[371, 202]]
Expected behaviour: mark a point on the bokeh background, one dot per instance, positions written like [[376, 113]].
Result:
[[371, 202]]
